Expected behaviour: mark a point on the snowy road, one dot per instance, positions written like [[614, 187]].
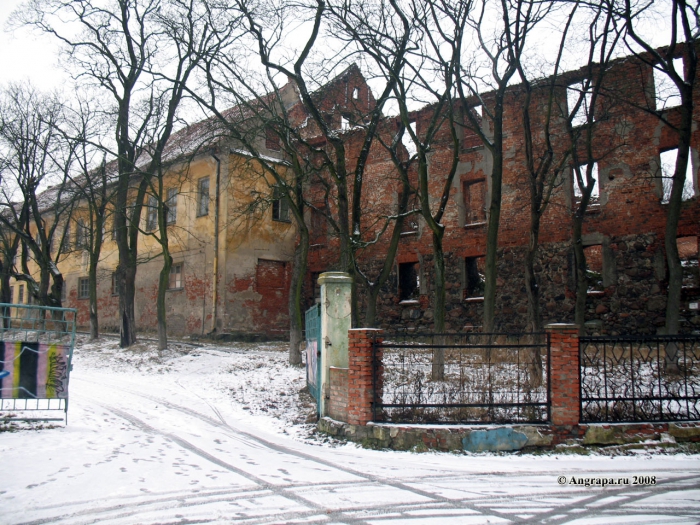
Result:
[[169, 446]]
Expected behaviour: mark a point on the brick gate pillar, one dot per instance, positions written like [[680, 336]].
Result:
[[565, 378], [360, 387]]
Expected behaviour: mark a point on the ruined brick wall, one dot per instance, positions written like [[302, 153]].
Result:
[[624, 229]]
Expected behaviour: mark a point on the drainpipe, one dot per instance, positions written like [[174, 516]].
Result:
[[215, 298]]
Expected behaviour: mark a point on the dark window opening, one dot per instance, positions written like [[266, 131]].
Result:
[[410, 222], [280, 206], [474, 277], [409, 281], [151, 214], [475, 202], [594, 267], [688, 254], [171, 206]]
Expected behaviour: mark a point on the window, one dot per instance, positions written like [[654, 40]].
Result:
[[81, 234], [175, 280], [115, 287], [474, 277], [409, 281], [65, 242], [272, 139], [595, 193], [410, 222], [356, 93], [83, 288], [20, 297], [667, 93], [114, 228], [579, 93], [64, 291], [171, 206], [668, 168], [280, 206], [344, 123], [203, 197], [151, 214], [475, 202], [594, 267]]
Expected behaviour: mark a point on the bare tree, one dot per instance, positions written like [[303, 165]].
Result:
[[683, 19], [34, 156], [132, 53]]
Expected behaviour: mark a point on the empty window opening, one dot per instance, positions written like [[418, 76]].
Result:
[[203, 197], [344, 123], [594, 267], [171, 206], [666, 90], [409, 281], [475, 202], [688, 254], [578, 100], [668, 168], [356, 93], [474, 277], [83, 288], [280, 205], [595, 193], [410, 222], [408, 141], [175, 277]]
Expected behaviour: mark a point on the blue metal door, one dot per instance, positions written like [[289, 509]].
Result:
[[313, 351]]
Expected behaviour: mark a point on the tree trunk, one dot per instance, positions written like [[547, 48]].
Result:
[[163, 282], [439, 305], [92, 281], [296, 288], [534, 316]]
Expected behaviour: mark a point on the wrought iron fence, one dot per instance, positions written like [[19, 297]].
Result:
[[634, 379], [461, 378]]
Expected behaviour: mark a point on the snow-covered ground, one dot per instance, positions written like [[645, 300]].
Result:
[[217, 434]]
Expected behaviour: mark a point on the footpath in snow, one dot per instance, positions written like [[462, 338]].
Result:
[[217, 434]]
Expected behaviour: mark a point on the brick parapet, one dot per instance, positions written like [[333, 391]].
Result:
[[360, 374], [565, 378]]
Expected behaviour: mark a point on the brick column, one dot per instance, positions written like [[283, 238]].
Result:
[[564, 380], [360, 388]]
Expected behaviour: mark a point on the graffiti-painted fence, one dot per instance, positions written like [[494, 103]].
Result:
[[36, 349], [640, 379], [462, 378]]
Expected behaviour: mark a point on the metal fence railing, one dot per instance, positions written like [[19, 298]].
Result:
[[36, 350], [470, 378], [640, 379]]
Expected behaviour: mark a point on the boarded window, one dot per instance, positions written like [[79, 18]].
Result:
[[203, 197], [474, 269], [475, 202], [409, 281], [270, 277]]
